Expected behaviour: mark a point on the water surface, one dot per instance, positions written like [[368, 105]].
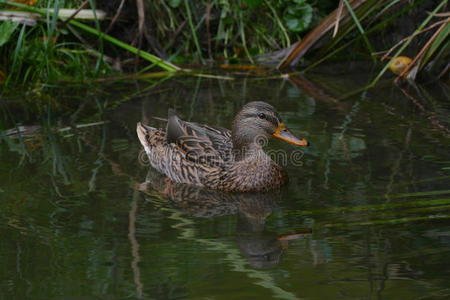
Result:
[[364, 216]]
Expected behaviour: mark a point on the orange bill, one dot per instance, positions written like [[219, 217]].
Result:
[[285, 134]]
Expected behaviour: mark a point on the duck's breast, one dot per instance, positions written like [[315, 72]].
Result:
[[246, 177]]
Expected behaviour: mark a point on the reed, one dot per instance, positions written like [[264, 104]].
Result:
[[49, 51], [50, 43]]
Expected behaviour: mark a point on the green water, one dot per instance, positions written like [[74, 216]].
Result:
[[364, 216]]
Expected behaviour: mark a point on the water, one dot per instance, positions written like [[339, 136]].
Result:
[[364, 216]]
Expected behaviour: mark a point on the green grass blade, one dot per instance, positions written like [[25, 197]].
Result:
[[220, 30], [326, 55], [145, 55], [16, 62], [7, 28], [363, 12], [51, 23], [441, 38], [194, 34], [182, 46], [361, 30], [421, 26], [97, 25], [244, 42], [386, 8], [280, 24]]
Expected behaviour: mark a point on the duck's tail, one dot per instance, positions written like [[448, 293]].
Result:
[[142, 131]]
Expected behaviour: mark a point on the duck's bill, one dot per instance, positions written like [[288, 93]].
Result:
[[286, 135]]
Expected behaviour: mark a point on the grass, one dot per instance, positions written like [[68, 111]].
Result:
[[194, 34], [236, 31], [371, 18], [399, 51], [360, 28], [37, 54]]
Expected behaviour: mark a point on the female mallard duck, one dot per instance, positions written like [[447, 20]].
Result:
[[218, 158]]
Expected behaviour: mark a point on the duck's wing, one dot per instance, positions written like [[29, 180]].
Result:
[[202, 144], [220, 139]]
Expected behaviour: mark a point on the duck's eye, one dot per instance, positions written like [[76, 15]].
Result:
[[261, 116]]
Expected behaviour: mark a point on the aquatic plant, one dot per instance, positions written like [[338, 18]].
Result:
[[377, 22], [45, 45], [42, 42]]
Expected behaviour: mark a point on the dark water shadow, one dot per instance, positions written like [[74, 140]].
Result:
[[261, 247]]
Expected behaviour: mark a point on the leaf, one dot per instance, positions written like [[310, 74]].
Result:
[[7, 28], [292, 23], [301, 20], [174, 3]]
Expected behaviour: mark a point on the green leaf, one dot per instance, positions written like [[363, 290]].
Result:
[[301, 20], [174, 3], [292, 10], [7, 28], [292, 23]]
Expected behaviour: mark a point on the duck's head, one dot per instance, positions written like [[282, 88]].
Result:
[[258, 121]]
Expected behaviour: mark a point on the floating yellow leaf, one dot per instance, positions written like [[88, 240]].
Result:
[[399, 64]]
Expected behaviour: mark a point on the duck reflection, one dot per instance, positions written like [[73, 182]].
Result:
[[261, 248]]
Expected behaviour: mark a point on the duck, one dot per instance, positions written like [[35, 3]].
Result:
[[218, 158]]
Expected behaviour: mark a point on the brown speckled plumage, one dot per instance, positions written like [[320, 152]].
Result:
[[218, 158]]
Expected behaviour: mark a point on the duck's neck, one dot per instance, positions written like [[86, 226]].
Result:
[[248, 151], [245, 142]]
